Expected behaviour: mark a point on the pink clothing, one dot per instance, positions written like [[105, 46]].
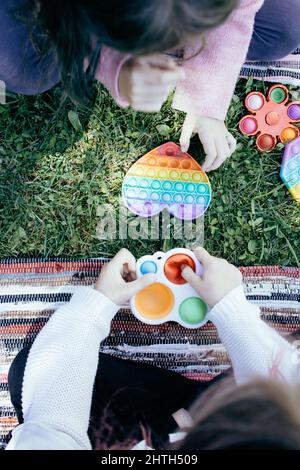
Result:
[[211, 75]]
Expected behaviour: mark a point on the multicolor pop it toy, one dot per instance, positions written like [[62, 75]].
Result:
[[167, 178], [170, 298], [272, 118], [290, 168]]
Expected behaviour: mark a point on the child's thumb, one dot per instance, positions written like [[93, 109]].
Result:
[[136, 286], [192, 278], [186, 133]]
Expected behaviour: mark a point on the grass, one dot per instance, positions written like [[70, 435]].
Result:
[[58, 163]]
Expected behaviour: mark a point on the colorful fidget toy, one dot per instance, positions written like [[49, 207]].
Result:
[[170, 298], [167, 178], [290, 168], [271, 118]]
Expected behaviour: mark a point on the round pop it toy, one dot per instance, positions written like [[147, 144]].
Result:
[[167, 178], [272, 118], [170, 298], [290, 168]]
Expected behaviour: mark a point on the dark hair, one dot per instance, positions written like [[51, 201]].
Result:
[[263, 414], [76, 29]]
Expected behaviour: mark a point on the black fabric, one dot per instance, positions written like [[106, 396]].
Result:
[[128, 397]]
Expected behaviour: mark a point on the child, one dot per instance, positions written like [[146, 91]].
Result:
[[117, 42], [61, 366]]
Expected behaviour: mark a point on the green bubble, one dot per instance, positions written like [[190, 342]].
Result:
[[278, 95], [193, 310]]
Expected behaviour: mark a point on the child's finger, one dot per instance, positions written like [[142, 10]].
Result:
[[124, 257], [203, 256], [231, 142], [147, 107], [191, 277], [223, 151], [152, 96], [210, 150], [148, 76], [186, 133], [132, 288]]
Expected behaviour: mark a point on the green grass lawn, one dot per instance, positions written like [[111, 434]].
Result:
[[54, 175]]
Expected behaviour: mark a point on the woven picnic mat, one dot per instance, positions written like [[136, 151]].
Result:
[[286, 70], [31, 289]]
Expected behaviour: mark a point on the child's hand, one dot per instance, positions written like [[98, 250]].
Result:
[[219, 277], [146, 82], [218, 143], [117, 280]]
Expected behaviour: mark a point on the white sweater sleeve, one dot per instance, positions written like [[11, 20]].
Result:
[[60, 372], [255, 349]]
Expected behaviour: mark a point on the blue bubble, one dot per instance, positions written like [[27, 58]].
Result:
[[189, 199], [202, 188], [166, 197], [179, 187], [178, 198], [148, 267], [155, 184], [190, 187], [167, 185]]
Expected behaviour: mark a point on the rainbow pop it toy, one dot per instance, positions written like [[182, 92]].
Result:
[[167, 178], [290, 168], [170, 298], [272, 118]]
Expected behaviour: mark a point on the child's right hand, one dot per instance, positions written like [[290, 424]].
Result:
[[117, 280], [218, 143], [146, 82], [219, 277]]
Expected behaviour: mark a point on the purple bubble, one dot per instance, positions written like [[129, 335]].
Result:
[[296, 149], [294, 112]]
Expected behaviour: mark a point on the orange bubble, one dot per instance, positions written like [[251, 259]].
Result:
[[151, 161], [288, 134], [174, 163], [272, 118], [172, 268], [155, 301], [185, 164]]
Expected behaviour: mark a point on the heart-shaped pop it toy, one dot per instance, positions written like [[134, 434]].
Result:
[[272, 118], [170, 298], [167, 178], [290, 168]]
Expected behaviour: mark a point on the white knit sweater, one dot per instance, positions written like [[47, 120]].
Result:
[[62, 363]]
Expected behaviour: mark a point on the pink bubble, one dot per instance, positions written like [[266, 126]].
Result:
[[249, 125]]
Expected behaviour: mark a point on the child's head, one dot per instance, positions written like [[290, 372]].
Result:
[[263, 414], [76, 27]]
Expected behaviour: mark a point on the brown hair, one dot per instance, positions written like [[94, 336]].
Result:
[[263, 414]]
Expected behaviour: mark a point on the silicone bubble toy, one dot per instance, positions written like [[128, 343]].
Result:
[[272, 119], [290, 168], [167, 178], [170, 298]]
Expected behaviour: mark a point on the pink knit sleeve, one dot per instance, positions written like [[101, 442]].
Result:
[[108, 71], [212, 74]]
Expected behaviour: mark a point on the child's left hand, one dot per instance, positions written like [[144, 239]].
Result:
[[218, 143], [118, 281]]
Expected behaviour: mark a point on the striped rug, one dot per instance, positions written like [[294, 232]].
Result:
[[286, 70], [30, 291]]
